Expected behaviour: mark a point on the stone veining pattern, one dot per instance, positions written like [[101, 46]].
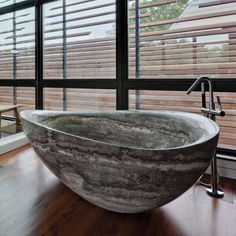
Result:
[[124, 161]]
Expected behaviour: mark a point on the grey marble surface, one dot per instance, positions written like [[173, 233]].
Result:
[[124, 161]]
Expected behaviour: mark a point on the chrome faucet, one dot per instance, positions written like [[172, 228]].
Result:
[[211, 113]]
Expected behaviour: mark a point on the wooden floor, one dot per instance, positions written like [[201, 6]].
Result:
[[34, 202]]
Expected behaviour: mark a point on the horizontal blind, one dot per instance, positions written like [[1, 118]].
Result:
[[23, 96], [83, 100], [4, 3], [79, 39], [182, 38], [17, 55], [179, 101], [17, 45]]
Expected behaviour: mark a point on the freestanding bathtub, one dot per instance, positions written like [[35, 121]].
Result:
[[124, 161]]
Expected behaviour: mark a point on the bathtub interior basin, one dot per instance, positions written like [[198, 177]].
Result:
[[124, 161], [145, 130]]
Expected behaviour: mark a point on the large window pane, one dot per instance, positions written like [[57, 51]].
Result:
[[22, 96], [81, 100], [182, 39], [4, 3], [79, 40], [179, 101], [17, 45]]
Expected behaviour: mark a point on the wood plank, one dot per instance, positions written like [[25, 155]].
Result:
[[215, 3]]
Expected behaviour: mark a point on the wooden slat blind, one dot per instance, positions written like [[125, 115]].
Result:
[[17, 45], [17, 55], [179, 101], [4, 3], [80, 99], [83, 44], [178, 39], [185, 39]]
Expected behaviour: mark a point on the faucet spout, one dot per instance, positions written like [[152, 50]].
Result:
[[198, 81], [202, 80]]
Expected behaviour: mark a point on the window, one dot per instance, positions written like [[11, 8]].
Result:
[[17, 45], [24, 97], [82, 100], [179, 101], [82, 63], [79, 40], [182, 39], [4, 3]]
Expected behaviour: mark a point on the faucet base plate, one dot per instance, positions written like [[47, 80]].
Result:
[[218, 193]]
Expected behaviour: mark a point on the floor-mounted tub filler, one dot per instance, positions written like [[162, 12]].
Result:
[[124, 161]]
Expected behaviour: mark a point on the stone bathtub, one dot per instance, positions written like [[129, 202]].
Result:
[[124, 161]]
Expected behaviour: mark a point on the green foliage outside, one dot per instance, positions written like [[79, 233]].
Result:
[[165, 12]]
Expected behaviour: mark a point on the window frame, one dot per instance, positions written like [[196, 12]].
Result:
[[122, 84]]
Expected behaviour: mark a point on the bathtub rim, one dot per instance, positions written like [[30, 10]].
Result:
[[201, 140]]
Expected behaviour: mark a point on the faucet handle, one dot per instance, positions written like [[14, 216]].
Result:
[[221, 112], [219, 102]]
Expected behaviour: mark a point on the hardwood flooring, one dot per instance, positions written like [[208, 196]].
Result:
[[34, 202]]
